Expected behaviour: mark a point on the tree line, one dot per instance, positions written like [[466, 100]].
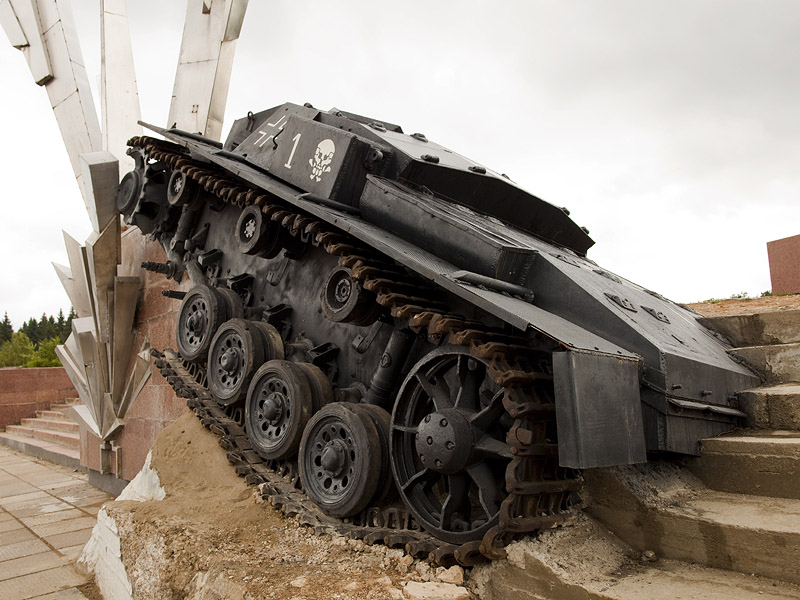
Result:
[[34, 343]]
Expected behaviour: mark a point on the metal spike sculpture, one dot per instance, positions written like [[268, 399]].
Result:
[[97, 355]]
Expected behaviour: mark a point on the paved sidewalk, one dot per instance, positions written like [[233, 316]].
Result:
[[46, 516]]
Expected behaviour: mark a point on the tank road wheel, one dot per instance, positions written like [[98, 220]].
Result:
[[449, 454], [381, 419], [181, 189], [258, 236], [202, 312], [271, 338], [321, 391], [128, 193], [237, 349], [345, 301], [279, 404], [339, 459], [232, 303]]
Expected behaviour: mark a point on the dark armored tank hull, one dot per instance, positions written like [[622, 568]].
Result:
[[372, 312]]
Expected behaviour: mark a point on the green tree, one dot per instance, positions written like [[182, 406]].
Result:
[[64, 326], [47, 329], [61, 326], [6, 329], [31, 329], [17, 351], [45, 355]]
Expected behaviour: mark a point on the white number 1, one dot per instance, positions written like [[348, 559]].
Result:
[[296, 140]]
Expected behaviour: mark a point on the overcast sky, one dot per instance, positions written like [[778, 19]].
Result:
[[670, 129]]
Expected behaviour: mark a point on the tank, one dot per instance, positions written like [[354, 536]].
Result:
[[402, 344]]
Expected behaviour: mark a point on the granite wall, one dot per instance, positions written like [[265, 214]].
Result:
[[784, 265], [24, 391]]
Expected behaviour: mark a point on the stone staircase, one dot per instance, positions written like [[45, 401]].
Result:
[[764, 458], [50, 435], [723, 525]]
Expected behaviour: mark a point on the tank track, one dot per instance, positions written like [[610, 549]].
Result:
[[540, 492]]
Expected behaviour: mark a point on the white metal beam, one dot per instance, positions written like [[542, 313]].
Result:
[[55, 60], [20, 20], [204, 65], [119, 94], [80, 287], [12, 26], [100, 177]]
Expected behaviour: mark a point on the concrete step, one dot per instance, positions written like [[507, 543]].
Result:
[[772, 407], [766, 329], [54, 424], [51, 414], [761, 463], [585, 562], [667, 581], [70, 440], [56, 453], [662, 508], [63, 405], [776, 364]]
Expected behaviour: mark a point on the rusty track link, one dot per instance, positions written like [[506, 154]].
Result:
[[539, 490]]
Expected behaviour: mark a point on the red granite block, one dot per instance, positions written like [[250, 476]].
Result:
[[784, 265], [24, 391], [173, 408], [135, 442], [154, 304], [151, 401], [90, 450], [162, 331]]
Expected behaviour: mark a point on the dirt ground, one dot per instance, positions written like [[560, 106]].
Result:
[[746, 306], [213, 537]]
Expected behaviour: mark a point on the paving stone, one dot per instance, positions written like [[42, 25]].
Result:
[[97, 500], [20, 534], [64, 526], [78, 489], [71, 538], [9, 525], [25, 471], [47, 474], [68, 594], [8, 501], [52, 482], [57, 487], [20, 549], [92, 510], [16, 490], [43, 509], [30, 564], [71, 553], [32, 503], [70, 513], [15, 487], [43, 500], [40, 583]]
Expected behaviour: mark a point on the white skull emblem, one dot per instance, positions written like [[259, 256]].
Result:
[[323, 157]]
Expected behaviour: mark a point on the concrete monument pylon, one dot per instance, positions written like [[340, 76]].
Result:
[[99, 357]]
